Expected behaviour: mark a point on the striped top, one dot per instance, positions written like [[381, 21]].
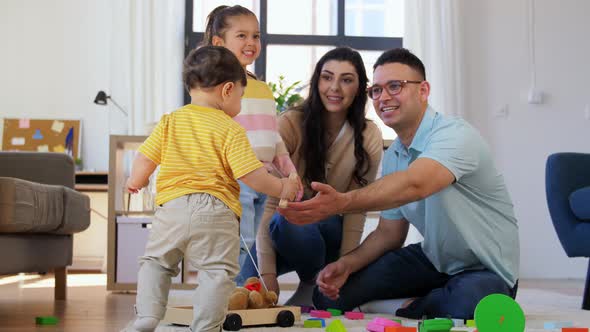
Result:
[[200, 150], [259, 117]]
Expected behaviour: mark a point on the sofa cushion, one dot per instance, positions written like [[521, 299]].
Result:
[[76, 216], [580, 203], [30, 207]]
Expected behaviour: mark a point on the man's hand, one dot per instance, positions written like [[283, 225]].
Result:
[[327, 202], [331, 278], [271, 282]]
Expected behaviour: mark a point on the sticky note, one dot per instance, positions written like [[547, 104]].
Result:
[[24, 123], [59, 148], [57, 126], [37, 134], [43, 148], [17, 141]]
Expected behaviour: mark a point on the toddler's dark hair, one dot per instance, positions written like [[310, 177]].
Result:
[[208, 66]]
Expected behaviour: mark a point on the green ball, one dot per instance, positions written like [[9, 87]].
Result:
[[499, 313]]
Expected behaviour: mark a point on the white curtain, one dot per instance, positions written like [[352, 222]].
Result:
[[147, 49], [433, 33]]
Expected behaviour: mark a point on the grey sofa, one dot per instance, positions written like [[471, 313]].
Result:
[[39, 212]]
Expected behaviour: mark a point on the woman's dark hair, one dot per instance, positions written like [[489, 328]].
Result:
[[403, 56], [208, 66], [217, 21], [314, 147]]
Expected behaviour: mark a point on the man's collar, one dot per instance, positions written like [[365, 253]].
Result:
[[419, 140]]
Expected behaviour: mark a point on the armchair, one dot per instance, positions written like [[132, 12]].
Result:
[[567, 184], [39, 212]]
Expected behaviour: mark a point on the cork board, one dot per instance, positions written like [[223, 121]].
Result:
[[42, 135]]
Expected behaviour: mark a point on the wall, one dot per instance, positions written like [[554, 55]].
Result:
[[54, 59], [498, 74]]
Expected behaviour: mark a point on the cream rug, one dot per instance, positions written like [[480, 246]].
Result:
[[539, 307]]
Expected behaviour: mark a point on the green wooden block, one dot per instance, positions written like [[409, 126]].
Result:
[[470, 323], [334, 312], [397, 320], [46, 320], [336, 326], [436, 325], [312, 323]]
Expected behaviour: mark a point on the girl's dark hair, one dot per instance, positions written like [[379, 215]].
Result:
[[403, 56], [217, 21], [314, 146], [208, 66]]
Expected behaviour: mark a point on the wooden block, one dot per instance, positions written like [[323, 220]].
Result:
[[334, 312], [312, 323], [46, 320], [574, 329], [321, 320], [291, 190], [400, 329], [557, 325], [354, 315], [336, 326], [320, 314]]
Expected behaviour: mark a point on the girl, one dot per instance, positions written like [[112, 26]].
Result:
[[330, 141], [236, 28], [201, 152]]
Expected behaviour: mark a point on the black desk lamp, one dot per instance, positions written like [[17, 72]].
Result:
[[101, 99]]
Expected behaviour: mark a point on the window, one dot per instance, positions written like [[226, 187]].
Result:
[[295, 34]]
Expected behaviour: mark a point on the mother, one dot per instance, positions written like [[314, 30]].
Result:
[[329, 140]]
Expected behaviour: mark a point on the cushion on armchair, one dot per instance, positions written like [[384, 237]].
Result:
[[580, 203], [30, 207]]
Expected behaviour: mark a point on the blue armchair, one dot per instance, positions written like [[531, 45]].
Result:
[[567, 177]]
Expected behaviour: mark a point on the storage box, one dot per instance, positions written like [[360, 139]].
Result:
[[132, 236]]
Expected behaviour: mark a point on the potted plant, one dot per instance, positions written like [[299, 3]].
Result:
[[286, 95]]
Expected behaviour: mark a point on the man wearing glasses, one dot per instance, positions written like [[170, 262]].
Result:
[[438, 175]]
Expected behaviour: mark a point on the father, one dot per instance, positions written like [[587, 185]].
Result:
[[440, 177]]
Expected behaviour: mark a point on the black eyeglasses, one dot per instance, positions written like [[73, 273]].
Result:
[[393, 88]]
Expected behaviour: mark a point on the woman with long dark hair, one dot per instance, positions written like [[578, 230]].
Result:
[[329, 140]]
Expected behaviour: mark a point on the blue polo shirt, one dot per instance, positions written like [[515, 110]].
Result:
[[469, 225]]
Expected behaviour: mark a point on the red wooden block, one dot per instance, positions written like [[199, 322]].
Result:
[[574, 329], [353, 315], [400, 329], [320, 314]]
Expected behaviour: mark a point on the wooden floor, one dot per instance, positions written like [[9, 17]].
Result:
[[89, 307]]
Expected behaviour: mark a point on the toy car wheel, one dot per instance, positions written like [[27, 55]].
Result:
[[285, 318], [233, 322]]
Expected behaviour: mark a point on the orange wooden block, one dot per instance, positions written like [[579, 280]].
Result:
[[400, 329]]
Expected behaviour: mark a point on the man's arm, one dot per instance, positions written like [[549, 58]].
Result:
[[423, 178], [389, 235]]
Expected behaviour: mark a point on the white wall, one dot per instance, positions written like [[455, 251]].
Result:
[[54, 59], [498, 73]]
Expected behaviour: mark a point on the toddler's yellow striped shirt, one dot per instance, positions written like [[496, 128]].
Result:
[[200, 149]]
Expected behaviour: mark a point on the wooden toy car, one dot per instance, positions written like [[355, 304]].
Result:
[[283, 316]]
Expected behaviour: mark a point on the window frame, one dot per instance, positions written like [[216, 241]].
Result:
[[192, 39]]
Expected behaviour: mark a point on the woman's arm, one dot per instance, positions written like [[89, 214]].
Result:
[[353, 224]]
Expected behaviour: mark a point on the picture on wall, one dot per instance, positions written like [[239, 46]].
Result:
[[42, 135]]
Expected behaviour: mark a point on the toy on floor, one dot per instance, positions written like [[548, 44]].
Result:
[[236, 319], [46, 320], [252, 296], [499, 313]]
